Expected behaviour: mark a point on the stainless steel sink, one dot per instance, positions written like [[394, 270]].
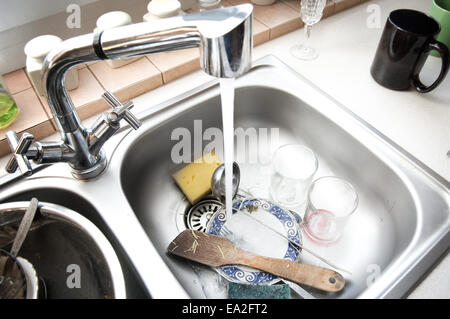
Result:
[[401, 227], [53, 247], [71, 257]]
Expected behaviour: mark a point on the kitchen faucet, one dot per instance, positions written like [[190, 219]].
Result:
[[225, 40]]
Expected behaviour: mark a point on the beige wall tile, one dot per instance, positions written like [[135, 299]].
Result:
[[92, 108], [86, 96], [279, 17], [236, 2], [89, 89], [39, 131], [44, 103], [294, 4], [129, 80], [175, 64], [17, 81], [261, 32], [31, 112], [128, 92], [32, 118], [329, 8]]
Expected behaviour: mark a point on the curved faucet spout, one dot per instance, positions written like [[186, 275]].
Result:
[[223, 35]]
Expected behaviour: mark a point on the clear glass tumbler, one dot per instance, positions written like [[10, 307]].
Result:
[[294, 166], [331, 202]]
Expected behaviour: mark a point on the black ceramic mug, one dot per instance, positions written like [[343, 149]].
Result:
[[407, 39]]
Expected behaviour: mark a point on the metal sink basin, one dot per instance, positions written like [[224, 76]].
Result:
[[53, 244], [400, 229], [71, 257]]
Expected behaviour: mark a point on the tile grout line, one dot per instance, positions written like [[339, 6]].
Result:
[[20, 91], [127, 86], [26, 75], [95, 77], [160, 72], [263, 23], [79, 108], [49, 116], [271, 37]]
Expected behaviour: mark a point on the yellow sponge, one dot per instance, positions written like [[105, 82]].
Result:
[[195, 178]]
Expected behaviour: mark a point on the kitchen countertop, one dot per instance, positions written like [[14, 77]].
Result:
[[419, 123]]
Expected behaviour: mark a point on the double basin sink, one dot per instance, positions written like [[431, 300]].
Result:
[[400, 229]]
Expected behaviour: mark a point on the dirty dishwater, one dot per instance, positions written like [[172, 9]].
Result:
[[13, 281], [227, 99], [9, 279]]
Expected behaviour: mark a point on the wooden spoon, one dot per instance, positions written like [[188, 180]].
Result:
[[216, 251]]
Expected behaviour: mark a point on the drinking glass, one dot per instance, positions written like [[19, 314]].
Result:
[[311, 13], [294, 166], [331, 202]]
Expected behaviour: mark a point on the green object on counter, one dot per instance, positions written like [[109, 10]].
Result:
[[8, 108], [6, 103], [9, 116], [244, 291], [440, 11]]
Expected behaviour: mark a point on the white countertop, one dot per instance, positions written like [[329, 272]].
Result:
[[419, 123]]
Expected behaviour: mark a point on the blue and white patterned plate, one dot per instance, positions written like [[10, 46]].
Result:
[[263, 212]]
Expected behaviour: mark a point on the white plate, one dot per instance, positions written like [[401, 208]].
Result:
[[249, 231]]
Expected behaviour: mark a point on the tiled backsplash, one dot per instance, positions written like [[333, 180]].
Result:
[[146, 73]]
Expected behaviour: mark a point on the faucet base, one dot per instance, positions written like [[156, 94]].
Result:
[[91, 172]]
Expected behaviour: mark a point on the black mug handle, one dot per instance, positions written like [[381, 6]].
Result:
[[444, 54]]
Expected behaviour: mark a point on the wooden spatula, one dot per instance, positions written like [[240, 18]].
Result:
[[216, 251]]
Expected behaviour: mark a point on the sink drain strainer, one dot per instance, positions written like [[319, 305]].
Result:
[[198, 215]]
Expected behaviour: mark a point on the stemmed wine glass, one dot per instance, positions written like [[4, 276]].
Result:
[[311, 13]]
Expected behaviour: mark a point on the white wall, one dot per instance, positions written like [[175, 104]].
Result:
[[19, 12], [22, 20]]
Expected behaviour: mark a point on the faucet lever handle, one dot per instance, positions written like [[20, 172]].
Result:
[[121, 110], [19, 149]]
